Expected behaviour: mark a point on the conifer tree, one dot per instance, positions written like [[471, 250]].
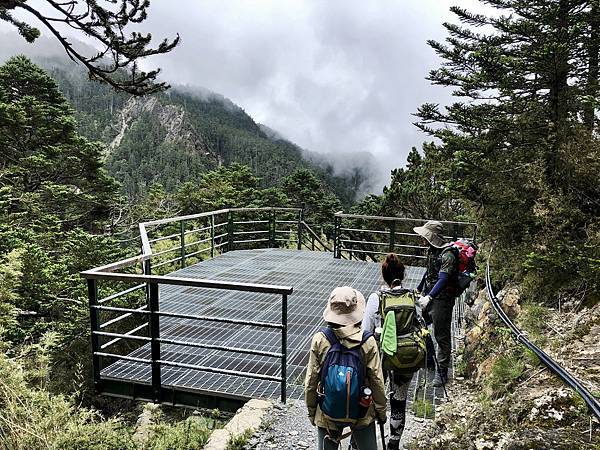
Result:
[[107, 24], [525, 81]]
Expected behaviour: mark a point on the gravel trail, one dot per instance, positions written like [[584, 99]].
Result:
[[287, 427]]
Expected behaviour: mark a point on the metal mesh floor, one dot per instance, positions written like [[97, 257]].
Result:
[[313, 276]]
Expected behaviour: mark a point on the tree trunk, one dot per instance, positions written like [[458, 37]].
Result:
[[592, 76], [559, 91]]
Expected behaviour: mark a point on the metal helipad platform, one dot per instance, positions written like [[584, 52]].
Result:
[[312, 274]]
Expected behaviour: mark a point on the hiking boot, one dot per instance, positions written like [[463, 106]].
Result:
[[441, 377]]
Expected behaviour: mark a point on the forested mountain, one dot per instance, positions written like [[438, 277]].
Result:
[[176, 136]]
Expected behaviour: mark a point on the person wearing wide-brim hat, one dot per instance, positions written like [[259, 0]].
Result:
[[343, 315], [437, 299]]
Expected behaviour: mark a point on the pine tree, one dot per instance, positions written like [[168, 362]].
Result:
[[51, 177], [526, 87]]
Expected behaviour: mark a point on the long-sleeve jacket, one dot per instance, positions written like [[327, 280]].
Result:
[[349, 336]]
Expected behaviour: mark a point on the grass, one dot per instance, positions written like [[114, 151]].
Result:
[[189, 434], [533, 320], [422, 408], [506, 370], [239, 442]]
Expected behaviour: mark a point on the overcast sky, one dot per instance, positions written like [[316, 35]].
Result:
[[331, 76]]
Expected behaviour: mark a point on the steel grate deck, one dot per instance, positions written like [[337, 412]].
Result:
[[312, 274]]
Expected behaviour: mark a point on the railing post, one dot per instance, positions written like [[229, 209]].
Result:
[[455, 232], [153, 307], [95, 326], [147, 267], [212, 236], [392, 235], [284, 348], [336, 237], [272, 229], [300, 217], [182, 230], [230, 230]]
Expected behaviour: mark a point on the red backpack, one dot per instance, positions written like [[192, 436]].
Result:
[[465, 251]]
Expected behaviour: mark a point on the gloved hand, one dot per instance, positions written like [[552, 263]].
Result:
[[424, 301]]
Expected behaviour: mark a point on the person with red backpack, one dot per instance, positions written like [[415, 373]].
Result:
[[344, 384], [450, 268]]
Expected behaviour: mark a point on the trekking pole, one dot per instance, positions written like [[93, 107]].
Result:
[[382, 432], [437, 368]]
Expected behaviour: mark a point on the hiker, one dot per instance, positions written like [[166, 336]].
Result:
[[344, 382], [438, 294], [393, 297]]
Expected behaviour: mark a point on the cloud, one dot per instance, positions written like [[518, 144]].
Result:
[[333, 76]]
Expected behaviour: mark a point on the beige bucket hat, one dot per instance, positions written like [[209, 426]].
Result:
[[346, 306], [433, 231]]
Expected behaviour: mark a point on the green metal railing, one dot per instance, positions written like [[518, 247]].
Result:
[[370, 237], [169, 244], [174, 242]]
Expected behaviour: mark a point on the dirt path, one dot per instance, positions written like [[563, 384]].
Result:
[[287, 427]]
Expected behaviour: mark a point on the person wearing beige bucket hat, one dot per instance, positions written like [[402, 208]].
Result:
[[437, 297], [346, 306], [433, 232], [343, 336]]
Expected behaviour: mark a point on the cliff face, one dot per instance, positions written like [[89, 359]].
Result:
[[172, 118]]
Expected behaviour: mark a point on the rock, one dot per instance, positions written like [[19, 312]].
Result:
[[509, 298], [143, 426], [247, 418]]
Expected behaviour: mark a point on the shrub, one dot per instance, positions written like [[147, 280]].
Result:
[[190, 434], [32, 418]]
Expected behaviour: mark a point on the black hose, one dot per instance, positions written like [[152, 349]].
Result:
[[592, 402]]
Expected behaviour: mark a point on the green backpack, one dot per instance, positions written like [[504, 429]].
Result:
[[403, 336]]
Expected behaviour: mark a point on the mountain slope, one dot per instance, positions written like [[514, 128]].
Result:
[[175, 136]]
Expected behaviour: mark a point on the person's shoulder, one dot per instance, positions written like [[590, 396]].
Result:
[[374, 297], [448, 254], [318, 337], [370, 343]]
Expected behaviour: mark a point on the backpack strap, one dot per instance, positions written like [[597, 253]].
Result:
[[330, 335], [366, 335]]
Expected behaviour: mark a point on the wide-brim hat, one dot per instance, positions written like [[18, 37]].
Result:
[[433, 231], [346, 306]]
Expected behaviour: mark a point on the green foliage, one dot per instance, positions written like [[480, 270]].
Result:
[[51, 177], [416, 190], [238, 442], [305, 190], [32, 418], [144, 158], [54, 195], [190, 434], [423, 408], [533, 319], [519, 145], [225, 187], [507, 369], [10, 274], [209, 131]]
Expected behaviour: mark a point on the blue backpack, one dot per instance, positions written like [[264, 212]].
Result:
[[342, 378]]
